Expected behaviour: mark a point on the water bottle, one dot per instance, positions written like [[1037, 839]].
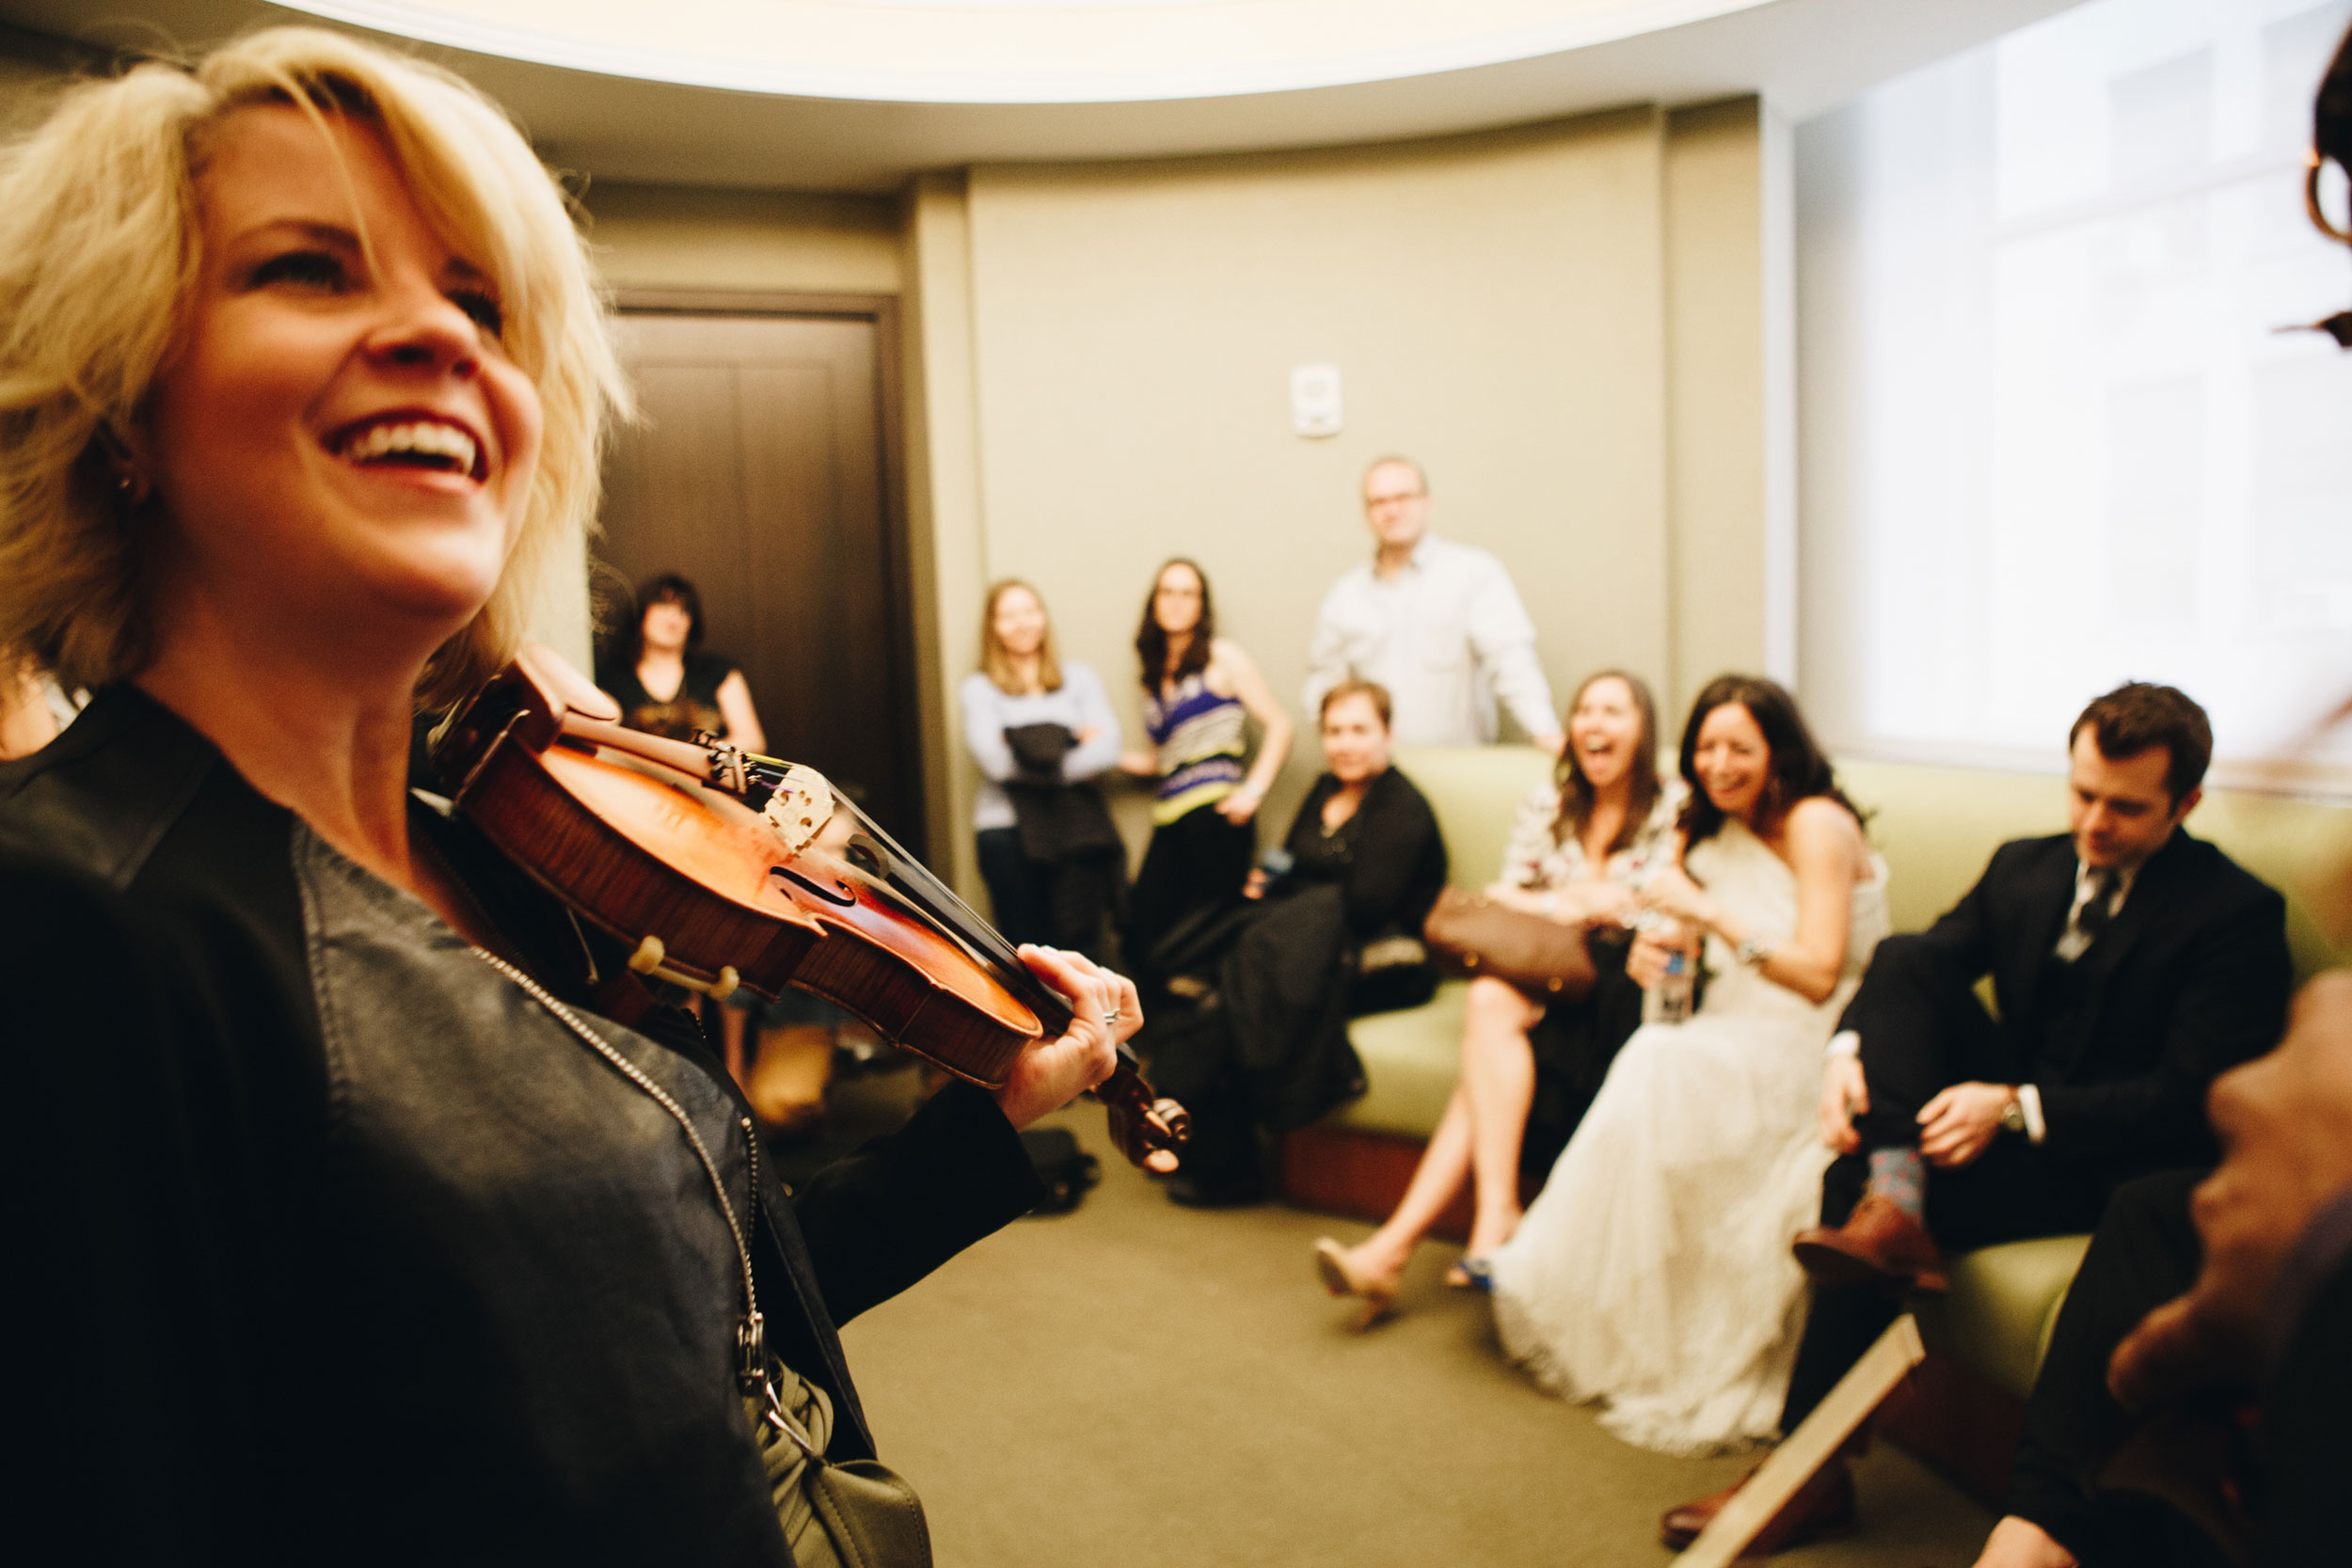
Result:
[[1669, 1000]]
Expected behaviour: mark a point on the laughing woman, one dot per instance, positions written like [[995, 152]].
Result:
[[1653, 1271], [339, 1241]]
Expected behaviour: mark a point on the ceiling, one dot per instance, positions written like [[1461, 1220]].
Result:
[[859, 94]]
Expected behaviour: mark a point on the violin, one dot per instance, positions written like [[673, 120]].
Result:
[[720, 869]]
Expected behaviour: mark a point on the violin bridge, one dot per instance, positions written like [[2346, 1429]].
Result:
[[799, 807]]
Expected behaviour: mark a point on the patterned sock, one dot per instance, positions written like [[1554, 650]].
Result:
[[1897, 1175]]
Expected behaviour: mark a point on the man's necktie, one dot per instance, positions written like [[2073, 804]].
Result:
[[2091, 918]]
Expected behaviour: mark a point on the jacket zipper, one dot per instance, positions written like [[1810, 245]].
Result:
[[751, 1334]]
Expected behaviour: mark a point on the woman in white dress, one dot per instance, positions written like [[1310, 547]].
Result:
[[1653, 1271]]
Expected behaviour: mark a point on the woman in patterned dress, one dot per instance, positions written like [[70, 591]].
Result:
[[1200, 689]]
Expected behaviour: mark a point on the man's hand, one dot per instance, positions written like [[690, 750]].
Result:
[[2285, 1124], [1556, 742], [1844, 1097], [1961, 1123], [1050, 1074]]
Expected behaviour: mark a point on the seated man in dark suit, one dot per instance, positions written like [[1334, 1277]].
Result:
[[2131, 962]]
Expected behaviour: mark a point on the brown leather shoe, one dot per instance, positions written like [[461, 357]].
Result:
[[1822, 1508], [1880, 1244]]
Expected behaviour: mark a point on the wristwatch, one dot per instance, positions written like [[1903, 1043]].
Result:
[[2013, 1114], [1752, 953]]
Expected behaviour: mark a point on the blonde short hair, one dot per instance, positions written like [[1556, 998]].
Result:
[[99, 251]]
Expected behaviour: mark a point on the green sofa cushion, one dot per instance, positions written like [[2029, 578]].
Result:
[[2001, 1307], [1411, 1062]]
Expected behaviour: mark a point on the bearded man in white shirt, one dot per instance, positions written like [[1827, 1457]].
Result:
[[1436, 623]]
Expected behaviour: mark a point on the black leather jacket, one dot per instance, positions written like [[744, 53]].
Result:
[[340, 1247]]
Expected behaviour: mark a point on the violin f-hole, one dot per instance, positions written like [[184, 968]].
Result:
[[835, 891]]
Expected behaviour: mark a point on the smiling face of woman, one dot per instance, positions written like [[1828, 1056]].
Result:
[[1733, 761], [1605, 732], [338, 437], [1019, 622], [1355, 742], [1176, 600]]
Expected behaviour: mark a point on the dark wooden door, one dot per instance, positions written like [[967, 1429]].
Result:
[[760, 472]]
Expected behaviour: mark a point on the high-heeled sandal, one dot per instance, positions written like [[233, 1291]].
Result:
[[1473, 1273], [1340, 1278]]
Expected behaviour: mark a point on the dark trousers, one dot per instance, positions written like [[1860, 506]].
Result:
[[1192, 1062], [1068, 903], [1922, 1030], [1197, 861], [2144, 1254], [1020, 890]]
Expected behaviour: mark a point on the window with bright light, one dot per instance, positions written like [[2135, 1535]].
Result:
[[2051, 437]]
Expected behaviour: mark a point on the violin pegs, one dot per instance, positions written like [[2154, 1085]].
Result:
[[648, 955], [724, 987]]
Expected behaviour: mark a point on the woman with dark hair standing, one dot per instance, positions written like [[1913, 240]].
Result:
[[665, 682], [1653, 1271], [668, 686], [1199, 689], [1580, 848]]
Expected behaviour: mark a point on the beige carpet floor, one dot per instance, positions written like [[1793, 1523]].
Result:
[[1143, 1385]]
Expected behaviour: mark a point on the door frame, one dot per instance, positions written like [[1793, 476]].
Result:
[[881, 312]]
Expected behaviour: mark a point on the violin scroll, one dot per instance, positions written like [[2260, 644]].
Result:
[[1141, 1121]]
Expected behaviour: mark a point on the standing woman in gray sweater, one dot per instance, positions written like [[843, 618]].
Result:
[[1041, 731]]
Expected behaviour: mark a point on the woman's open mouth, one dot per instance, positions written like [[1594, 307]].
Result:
[[411, 440]]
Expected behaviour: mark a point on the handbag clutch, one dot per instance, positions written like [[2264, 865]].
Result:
[[1469, 935]]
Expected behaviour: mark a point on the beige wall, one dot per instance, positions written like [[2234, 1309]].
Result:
[[950, 554], [1564, 322], [1715, 427], [679, 237]]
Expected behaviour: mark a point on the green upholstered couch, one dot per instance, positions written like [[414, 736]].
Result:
[[1936, 826]]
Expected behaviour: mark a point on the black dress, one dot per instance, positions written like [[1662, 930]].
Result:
[[692, 709], [1335, 938]]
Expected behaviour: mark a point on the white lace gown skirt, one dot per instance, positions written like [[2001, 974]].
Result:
[[1654, 1271]]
